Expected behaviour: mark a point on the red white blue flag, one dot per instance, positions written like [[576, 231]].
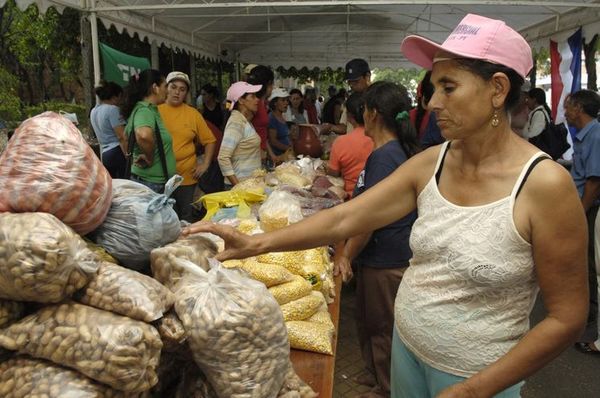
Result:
[[565, 71]]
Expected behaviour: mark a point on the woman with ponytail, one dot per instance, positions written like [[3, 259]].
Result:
[[381, 256], [109, 128], [152, 145]]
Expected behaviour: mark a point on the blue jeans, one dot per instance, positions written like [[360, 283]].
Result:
[[156, 187], [412, 378]]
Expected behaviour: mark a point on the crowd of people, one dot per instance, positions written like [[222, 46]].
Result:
[[447, 228]]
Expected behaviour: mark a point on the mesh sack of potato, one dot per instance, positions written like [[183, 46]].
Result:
[[171, 330], [284, 293], [310, 336], [41, 259], [165, 265], [302, 308], [126, 292], [295, 387], [23, 377], [139, 220], [48, 167], [235, 332], [106, 347], [10, 311], [279, 210], [269, 274]]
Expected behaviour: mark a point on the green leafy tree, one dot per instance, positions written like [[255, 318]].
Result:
[[409, 78], [10, 103]]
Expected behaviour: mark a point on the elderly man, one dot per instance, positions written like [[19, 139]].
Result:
[[189, 130], [581, 112]]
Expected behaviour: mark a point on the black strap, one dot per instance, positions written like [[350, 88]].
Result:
[[158, 143], [529, 170], [438, 173]]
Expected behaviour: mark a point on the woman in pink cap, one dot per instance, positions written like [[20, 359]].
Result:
[[239, 155], [497, 221]]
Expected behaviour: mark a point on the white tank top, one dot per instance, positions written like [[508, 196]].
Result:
[[465, 300]]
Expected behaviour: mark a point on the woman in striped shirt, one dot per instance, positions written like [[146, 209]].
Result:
[[239, 155]]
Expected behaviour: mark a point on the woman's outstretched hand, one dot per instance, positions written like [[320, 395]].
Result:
[[237, 244]]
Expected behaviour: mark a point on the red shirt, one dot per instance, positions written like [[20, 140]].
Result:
[[349, 154], [260, 121]]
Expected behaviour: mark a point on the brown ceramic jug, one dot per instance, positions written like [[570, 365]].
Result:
[[308, 143]]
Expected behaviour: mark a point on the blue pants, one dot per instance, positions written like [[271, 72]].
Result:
[[156, 187], [412, 378]]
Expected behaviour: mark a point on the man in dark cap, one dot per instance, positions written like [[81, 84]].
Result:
[[358, 77]]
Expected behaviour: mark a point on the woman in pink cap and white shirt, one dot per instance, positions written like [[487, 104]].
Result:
[[497, 220], [239, 155]]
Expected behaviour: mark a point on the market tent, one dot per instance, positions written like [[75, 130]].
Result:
[[320, 33]]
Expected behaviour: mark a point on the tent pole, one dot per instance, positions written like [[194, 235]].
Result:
[[95, 52]]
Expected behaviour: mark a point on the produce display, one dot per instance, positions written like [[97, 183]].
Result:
[[139, 221], [126, 292], [10, 311], [24, 377], [48, 167], [166, 267], [109, 348], [41, 259], [236, 332], [137, 310]]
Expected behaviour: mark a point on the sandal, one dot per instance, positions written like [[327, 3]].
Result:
[[586, 348]]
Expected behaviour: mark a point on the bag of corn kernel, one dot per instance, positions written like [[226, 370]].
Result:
[[302, 308], [310, 336], [298, 287]]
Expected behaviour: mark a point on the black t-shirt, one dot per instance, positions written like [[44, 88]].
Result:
[[215, 116], [388, 246]]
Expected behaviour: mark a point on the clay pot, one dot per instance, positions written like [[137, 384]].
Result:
[[308, 143]]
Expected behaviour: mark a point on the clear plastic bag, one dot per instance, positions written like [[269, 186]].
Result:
[[139, 221], [302, 308], [284, 293], [126, 292], [48, 167], [41, 259], [171, 330], [310, 336], [279, 210], [112, 349], [24, 377], [235, 330], [166, 267], [295, 387], [10, 311], [269, 274]]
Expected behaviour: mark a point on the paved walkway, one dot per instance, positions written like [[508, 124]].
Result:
[[572, 375]]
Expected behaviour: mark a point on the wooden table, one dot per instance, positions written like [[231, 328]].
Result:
[[317, 370]]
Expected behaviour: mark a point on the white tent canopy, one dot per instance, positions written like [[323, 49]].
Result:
[[321, 33]]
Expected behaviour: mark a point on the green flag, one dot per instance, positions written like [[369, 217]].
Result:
[[118, 67]]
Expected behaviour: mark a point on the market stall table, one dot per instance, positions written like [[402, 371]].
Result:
[[317, 370]]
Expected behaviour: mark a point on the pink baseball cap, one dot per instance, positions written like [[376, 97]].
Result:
[[475, 37], [238, 89]]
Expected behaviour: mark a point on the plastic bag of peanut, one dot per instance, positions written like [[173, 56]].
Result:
[[164, 260], [295, 387], [126, 292], [10, 311], [108, 348], [171, 330], [41, 259], [23, 377], [236, 332]]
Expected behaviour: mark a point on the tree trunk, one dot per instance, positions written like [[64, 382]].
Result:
[[590, 62]]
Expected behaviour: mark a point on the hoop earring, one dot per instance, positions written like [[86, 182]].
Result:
[[495, 119]]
